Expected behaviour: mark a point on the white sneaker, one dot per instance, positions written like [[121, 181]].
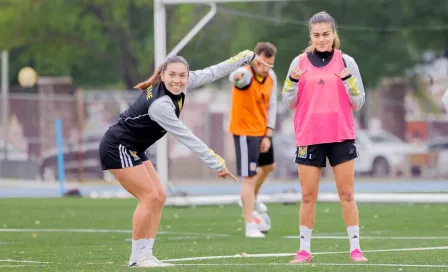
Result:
[[148, 261], [253, 232], [260, 206]]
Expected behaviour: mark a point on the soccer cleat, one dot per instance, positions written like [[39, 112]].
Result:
[[302, 256], [148, 261], [254, 232], [357, 256]]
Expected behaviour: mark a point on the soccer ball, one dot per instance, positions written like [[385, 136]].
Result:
[[263, 221]]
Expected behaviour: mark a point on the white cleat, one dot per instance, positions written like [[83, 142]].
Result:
[[254, 233], [149, 261]]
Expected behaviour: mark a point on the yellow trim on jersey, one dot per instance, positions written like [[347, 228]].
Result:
[[220, 160], [353, 85], [259, 78], [288, 84], [149, 93], [239, 56]]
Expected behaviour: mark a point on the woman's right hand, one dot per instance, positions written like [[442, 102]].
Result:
[[225, 173], [297, 73]]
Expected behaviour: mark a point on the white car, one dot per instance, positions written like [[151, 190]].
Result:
[[13, 153], [440, 146], [382, 154]]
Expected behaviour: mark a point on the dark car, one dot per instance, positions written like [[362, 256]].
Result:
[[81, 160]]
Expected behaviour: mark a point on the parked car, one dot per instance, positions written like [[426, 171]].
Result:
[[383, 154], [284, 150], [84, 157], [16, 163], [440, 146], [12, 153]]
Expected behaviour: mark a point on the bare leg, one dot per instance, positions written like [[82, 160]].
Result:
[[263, 173], [156, 214]]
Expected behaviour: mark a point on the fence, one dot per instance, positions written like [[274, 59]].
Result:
[[86, 115]]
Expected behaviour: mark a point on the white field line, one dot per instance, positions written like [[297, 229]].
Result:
[[110, 231], [321, 264], [19, 265], [19, 261], [376, 237], [293, 254]]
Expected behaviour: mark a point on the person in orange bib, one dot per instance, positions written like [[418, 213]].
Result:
[[252, 120]]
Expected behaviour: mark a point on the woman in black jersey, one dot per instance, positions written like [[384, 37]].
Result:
[[154, 113]]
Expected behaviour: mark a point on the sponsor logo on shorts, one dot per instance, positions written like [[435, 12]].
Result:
[[253, 166], [134, 155], [303, 151]]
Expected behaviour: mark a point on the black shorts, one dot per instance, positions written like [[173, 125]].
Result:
[[316, 155], [114, 155], [248, 155]]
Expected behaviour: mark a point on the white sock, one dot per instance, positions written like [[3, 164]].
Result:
[[150, 245], [305, 238], [353, 236], [142, 247]]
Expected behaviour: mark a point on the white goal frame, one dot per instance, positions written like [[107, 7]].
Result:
[[161, 55]]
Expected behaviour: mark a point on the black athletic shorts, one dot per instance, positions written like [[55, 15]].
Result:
[[248, 155], [114, 155], [316, 155]]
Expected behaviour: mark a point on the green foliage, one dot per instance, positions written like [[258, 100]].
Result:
[[110, 42]]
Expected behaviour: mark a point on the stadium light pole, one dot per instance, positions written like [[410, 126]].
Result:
[[160, 56]]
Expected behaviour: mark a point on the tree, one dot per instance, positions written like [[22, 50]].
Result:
[[97, 42], [111, 43]]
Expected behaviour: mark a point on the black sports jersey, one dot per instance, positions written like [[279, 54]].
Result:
[[135, 127], [156, 111]]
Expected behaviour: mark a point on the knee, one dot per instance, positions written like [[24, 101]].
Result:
[[149, 199], [309, 196], [346, 194], [161, 199]]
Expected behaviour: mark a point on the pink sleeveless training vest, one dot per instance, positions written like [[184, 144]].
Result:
[[323, 113]]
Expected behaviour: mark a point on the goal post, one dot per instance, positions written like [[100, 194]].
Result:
[[160, 56]]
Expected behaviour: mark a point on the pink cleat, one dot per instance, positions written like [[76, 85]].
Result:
[[302, 256], [357, 256]]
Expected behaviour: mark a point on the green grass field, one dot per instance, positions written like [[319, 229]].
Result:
[[65, 235]]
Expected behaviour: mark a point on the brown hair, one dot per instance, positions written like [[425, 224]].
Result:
[[324, 17], [157, 75], [267, 48]]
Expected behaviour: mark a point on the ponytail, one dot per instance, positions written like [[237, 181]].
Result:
[[337, 41], [154, 79]]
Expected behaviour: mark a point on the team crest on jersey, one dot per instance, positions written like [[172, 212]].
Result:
[[134, 155], [302, 152], [253, 166], [179, 103], [149, 93]]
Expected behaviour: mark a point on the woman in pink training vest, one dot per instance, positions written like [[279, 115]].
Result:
[[324, 87]]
